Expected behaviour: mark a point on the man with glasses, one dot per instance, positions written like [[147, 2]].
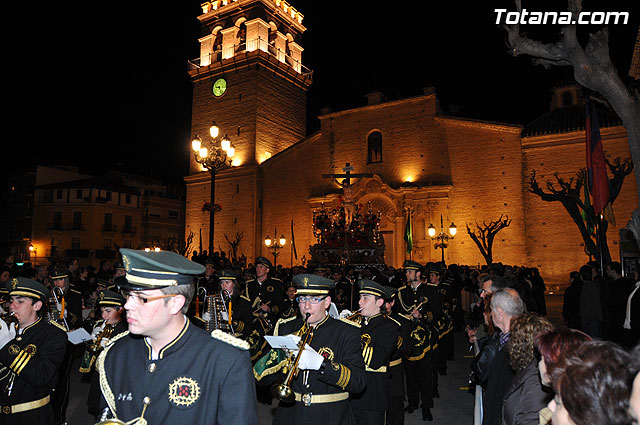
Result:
[[331, 366], [166, 370], [378, 337]]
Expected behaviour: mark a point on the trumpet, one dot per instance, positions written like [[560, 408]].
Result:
[[283, 391], [9, 318]]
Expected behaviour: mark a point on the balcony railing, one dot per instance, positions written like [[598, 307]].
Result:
[[250, 46]]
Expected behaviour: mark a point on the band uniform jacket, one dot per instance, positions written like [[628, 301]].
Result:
[[379, 337], [403, 348], [342, 373], [93, 399], [269, 292], [422, 298], [32, 359], [185, 384], [210, 284]]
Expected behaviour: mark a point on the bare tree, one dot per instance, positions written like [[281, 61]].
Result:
[[592, 68], [484, 234], [570, 192], [234, 244]]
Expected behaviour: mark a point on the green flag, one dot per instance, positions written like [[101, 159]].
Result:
[[408, 233]]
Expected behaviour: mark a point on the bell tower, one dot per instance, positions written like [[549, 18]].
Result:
[[250, 81], [249, 77]]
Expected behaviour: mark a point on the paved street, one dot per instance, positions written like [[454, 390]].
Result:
[[454, 407]]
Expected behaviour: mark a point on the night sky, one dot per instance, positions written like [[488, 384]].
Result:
[[108, 88]]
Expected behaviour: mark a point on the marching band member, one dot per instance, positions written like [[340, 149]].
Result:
[[31, 355], [175, 372], [330, 366]]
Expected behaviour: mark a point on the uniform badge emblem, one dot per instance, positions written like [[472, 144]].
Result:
[[184, 392], [14, 349], [31, 349], [270, 289], [327, 353], [365, 339]]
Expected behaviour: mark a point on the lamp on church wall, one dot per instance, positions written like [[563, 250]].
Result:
[[275, 245], [214, 155], [442, 238]]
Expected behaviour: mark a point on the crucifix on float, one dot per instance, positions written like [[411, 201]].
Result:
[[347, 188]]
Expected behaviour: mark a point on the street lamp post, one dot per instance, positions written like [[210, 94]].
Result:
[[215, 155], [442, 238], [275, 245], [33, 250]]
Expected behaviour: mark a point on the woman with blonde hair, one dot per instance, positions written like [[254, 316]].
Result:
[[526, 397]]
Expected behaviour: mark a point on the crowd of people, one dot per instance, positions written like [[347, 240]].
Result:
[[583, 371], [376, 341]]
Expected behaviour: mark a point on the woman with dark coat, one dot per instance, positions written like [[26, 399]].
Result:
[[526, 397], [571, 306]]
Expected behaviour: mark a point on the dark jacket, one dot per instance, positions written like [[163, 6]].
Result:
[[499, 382], [525, 398], [482, 362]]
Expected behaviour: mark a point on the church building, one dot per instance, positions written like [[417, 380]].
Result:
[[412, 159]]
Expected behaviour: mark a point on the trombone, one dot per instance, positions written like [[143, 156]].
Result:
[[283, 391]]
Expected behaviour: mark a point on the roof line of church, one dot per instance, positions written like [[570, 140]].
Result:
[[512, 128]]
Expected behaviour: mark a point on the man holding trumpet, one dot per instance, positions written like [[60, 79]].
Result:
[[329, 368]]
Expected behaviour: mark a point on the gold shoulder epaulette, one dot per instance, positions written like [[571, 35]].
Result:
[[352, 323], [406, 316], [394, 320], [230, 339], [75, 290], [250, 280], [278, 279], [117, 337], [57, 325], [280, 321]]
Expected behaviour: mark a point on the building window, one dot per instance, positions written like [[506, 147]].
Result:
[[57, 220], [78, 193], [108, 195], [77, 220], [128, 220], [59, 194], [174, 215], [127, 199], [374, 148], [108, 222], [567, 98]]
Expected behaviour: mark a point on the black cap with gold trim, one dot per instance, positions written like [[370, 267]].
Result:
[[157, 269], [312, 284], [264, 261], [390, 293], [110, 298], [412, 265], [371, 287], [226, 274], [24, 287], [58, 272]]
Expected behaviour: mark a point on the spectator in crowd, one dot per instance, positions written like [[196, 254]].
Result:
[[634, 399], [526, 397], [554, 347], [631, 325], [593, 388], [618, 290], [505, 305], [590, 304], [571, 305]]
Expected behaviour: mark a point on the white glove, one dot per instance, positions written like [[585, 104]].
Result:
[[310, 359], [345, 313], [6, 333], [206, 316], [104, 342]]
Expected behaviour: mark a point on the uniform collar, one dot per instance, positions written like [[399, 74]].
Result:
[[26, 328], [167, 348], [367, 320]]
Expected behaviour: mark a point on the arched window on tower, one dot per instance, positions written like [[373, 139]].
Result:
[[567, 98], [374, 147]]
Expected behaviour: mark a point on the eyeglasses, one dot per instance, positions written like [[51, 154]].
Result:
[[143, 300], [312, 300]]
